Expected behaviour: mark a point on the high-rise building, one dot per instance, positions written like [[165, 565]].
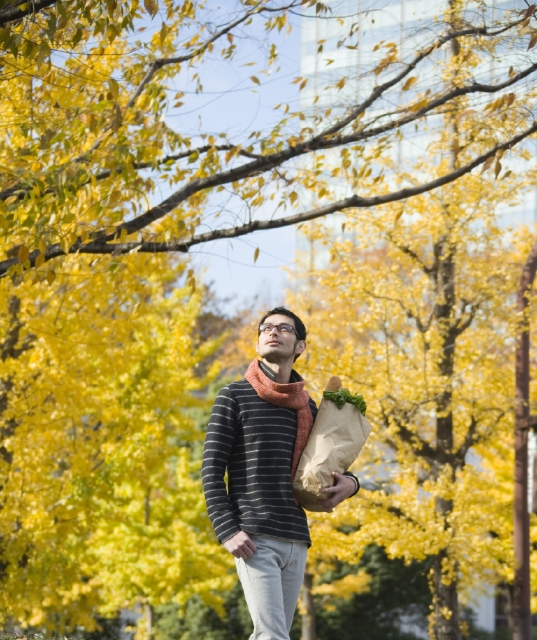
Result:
[[344, 44]]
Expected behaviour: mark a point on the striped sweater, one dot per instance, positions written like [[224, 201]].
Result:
[[253, 440]]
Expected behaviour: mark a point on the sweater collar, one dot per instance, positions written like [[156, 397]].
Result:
[[295, 377]]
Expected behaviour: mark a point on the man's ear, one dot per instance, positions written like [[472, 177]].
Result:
[[300, 347], [257, 347]]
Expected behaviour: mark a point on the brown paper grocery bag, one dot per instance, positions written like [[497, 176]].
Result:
[[336, 439]]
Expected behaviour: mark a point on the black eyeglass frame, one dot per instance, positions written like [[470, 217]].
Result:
[[277, 326]]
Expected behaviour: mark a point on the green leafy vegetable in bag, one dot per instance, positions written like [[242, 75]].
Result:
[[341, 396]]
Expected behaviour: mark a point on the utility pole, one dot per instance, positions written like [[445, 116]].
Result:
[[523, 423]]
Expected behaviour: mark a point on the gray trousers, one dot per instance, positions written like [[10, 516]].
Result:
[[271, 580]]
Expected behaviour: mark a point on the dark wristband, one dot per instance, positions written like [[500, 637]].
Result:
[[351, 475]]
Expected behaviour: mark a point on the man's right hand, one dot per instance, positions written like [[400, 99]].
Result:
[[241, 545]]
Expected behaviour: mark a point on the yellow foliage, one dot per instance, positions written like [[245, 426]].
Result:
[[414, 310], [344, 587], [101, 500]]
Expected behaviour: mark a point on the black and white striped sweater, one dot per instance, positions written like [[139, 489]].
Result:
[[254, 441]]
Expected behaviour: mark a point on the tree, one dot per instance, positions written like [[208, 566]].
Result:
[[88, 142], [395, 595], [412, 308], [100, 503]]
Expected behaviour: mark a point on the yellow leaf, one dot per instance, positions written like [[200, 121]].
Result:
[[114, 88], [163, 33], [410, 81], [23, 253], [39, 260], [488, 164], [151, 6], [533, 40], [497, 169], [256, 255], [293, 196], [51, 276], [254, 79], [468, 112]]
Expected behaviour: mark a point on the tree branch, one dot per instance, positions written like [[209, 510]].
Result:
[[378, 91], [13, 12], [267, 162], [20, 191], [100, 244], [366, 134], [161, 62], [326, 139]]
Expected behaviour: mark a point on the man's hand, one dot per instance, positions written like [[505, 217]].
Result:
[[241, 545], [343, 489]]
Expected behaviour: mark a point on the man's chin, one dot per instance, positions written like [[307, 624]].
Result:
[[275, 356]]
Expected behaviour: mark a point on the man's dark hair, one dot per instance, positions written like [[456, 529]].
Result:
[[300, 327]]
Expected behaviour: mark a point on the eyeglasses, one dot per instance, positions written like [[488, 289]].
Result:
[[281, 328]]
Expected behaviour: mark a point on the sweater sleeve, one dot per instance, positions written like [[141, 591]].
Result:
[[216, 455]]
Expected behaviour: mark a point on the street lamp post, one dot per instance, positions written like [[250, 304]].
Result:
[[523, 423]]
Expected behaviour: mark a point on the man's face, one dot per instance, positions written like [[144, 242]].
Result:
[[278, 346]]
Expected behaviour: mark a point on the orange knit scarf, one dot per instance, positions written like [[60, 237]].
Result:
[[290, 396]]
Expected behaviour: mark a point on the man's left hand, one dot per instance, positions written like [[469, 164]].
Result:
[[343, 489]]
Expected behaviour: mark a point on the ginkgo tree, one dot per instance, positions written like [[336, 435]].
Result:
[[411, 307], [89, 149], [101, 502]]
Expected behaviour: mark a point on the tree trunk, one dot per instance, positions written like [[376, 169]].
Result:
[[309, 631], [521, 585], [446, 603], [149, 614], [445, 597]]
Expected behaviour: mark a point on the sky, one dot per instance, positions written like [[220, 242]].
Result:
[[231, 102]]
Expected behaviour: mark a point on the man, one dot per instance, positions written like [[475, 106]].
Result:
[[257, 432]]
